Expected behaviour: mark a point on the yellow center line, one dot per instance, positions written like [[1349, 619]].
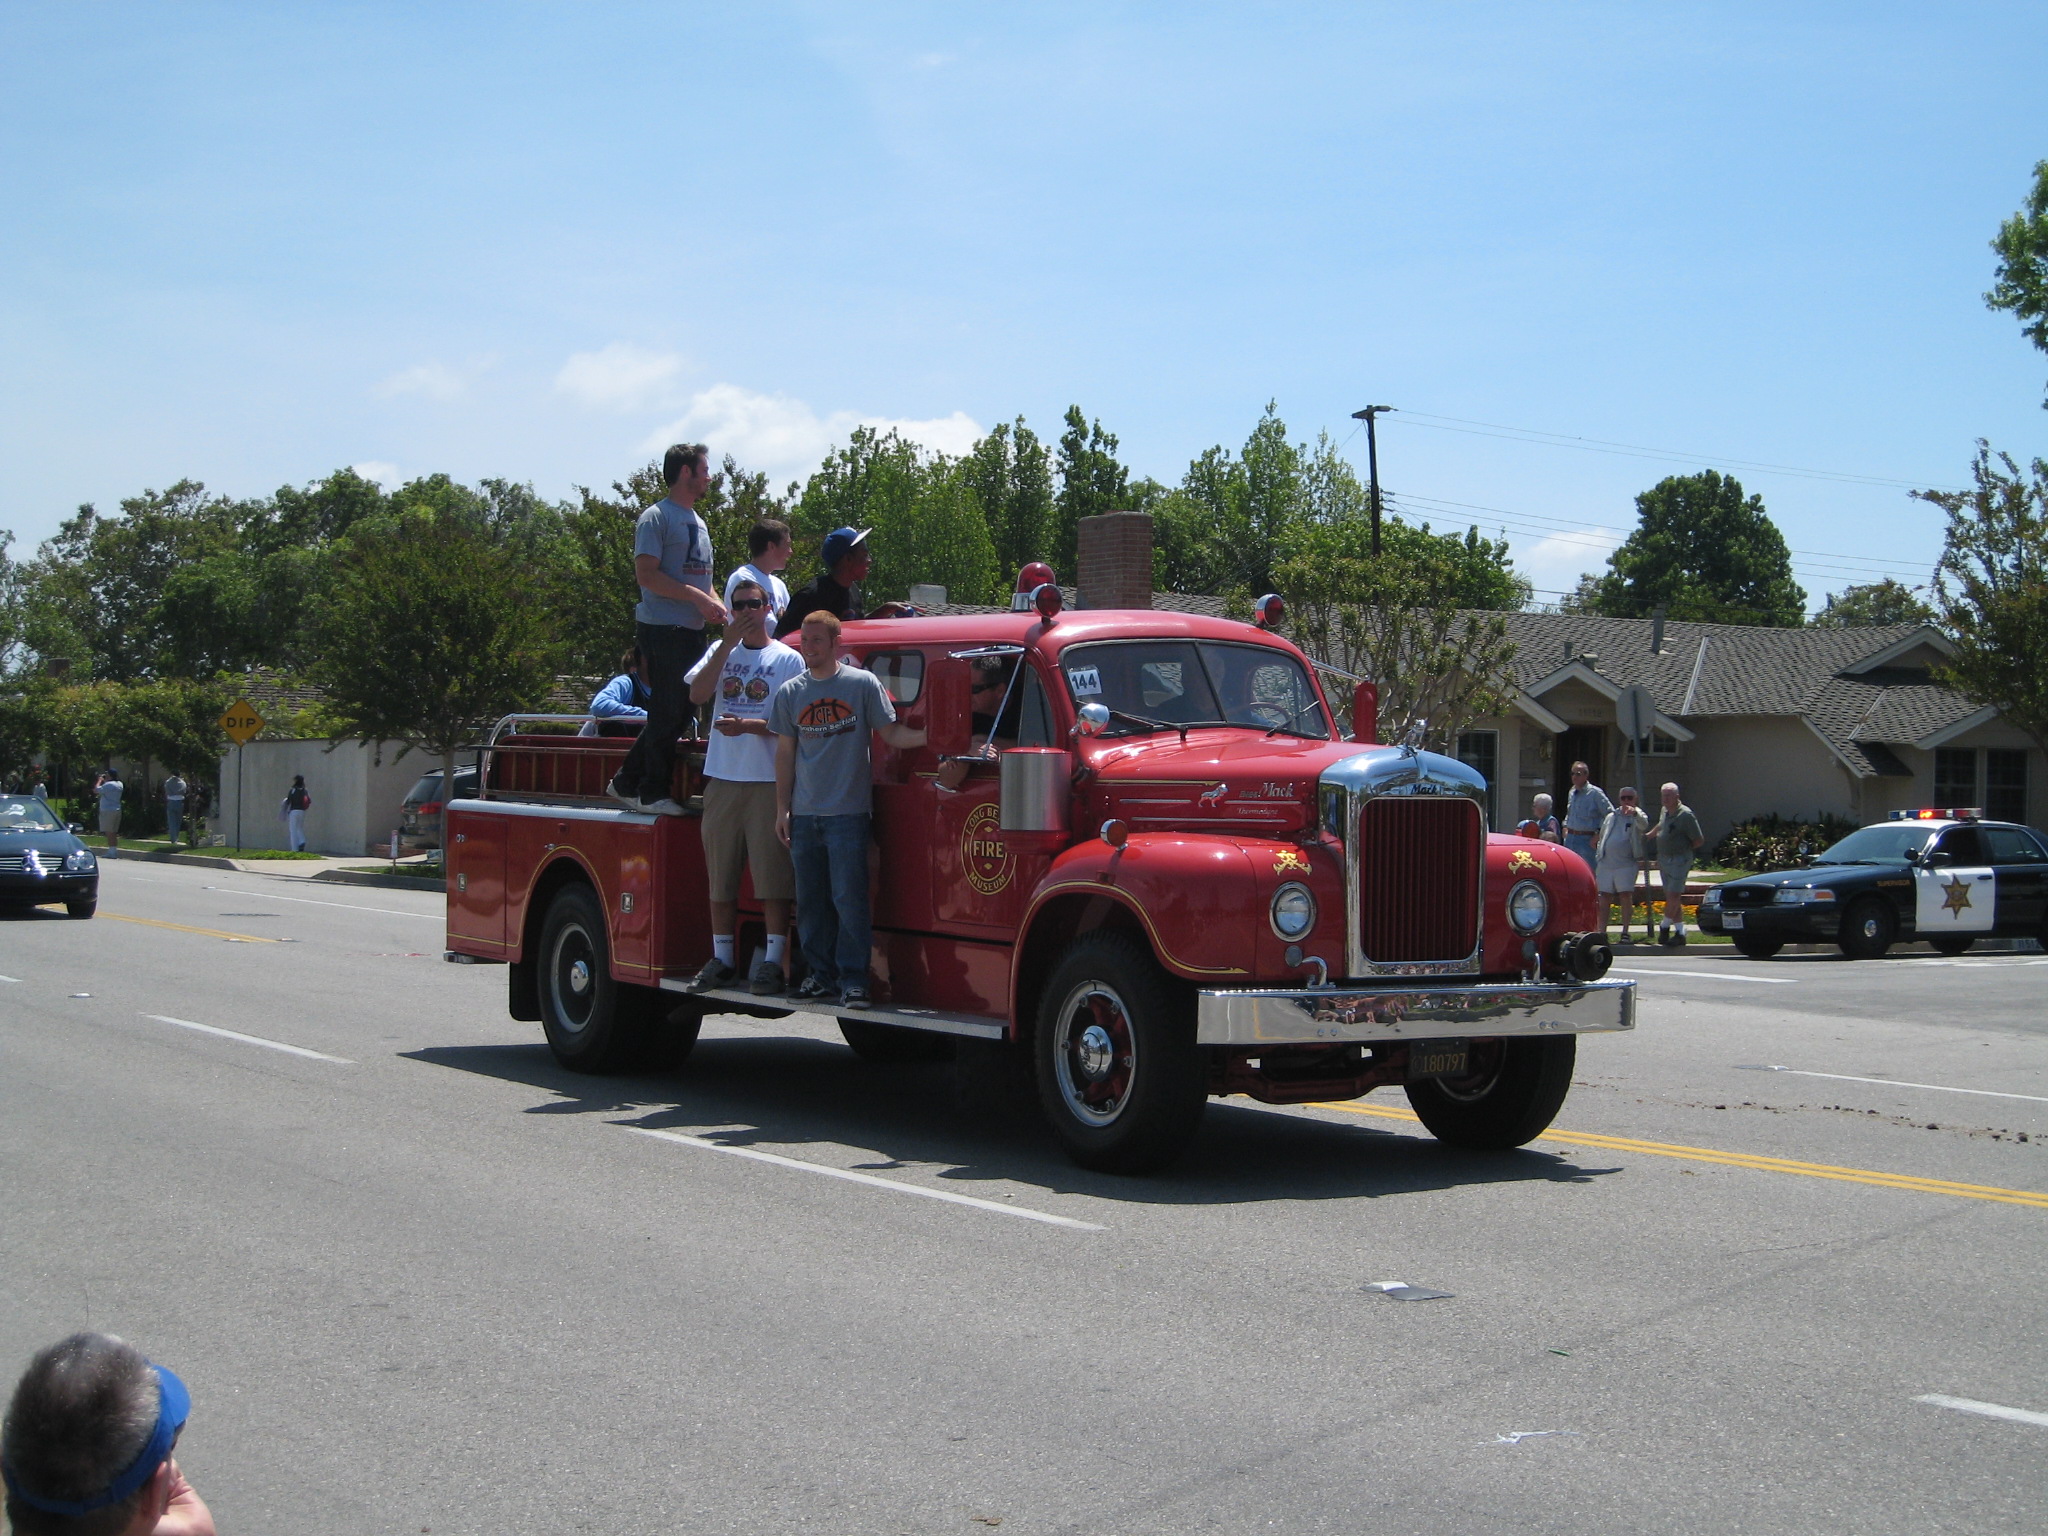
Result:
[[211, 933], [1751, 1160]]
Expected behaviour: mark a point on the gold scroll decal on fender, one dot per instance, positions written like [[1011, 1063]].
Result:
[[984, 852], [1288, 860], [1522, 859]]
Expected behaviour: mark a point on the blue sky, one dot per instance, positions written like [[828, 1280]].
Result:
[[248, 244]]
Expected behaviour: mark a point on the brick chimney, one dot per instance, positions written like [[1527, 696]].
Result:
[[1114, 553]]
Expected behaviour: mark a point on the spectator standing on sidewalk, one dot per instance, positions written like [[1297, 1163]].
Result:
[[1676, 839], [174, 805], [672, 563], [823, 719], [108, 788], [1622, 854], [1541, 823], [86, 1448], [1584, 810], [296, 803], [740, 680]]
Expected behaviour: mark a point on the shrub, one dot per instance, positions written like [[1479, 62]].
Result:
[[1778, 842]]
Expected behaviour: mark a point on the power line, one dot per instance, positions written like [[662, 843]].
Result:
[[1637, 450]]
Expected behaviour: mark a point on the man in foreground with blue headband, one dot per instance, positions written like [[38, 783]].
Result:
[[86, 1448]]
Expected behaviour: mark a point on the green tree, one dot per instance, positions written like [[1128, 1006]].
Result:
[[928, 524], [1703, 551], [2022, 247], [1878, 603], [1010, 473], [1991, 588], [1401, 621], [1092, 481], [427, 628]]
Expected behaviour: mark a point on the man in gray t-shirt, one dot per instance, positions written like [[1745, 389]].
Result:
[[823, 719], [672, 563]]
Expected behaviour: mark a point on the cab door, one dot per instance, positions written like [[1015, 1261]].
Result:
[[981, 879], [1955, 889], [2021, 865]]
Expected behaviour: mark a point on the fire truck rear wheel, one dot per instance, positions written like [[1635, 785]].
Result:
[[1506, 1103], [1119, 1074], [593, 1023], [890, 1044]]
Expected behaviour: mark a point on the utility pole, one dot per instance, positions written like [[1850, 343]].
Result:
[[1372, 460]]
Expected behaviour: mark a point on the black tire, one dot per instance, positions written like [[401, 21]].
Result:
[[1869, 928], [83, 909], [1509, 1101], [593, 1023], [892, 1044], [671, 1031], [1119, 1074], [1756, 946], [1953, 943]]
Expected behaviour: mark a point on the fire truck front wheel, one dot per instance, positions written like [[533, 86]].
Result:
[[593, 1023], [1511, 1098], [1119, 1074]]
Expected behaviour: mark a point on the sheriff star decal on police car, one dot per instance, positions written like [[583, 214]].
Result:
[[1957, 896], [1955, 901]]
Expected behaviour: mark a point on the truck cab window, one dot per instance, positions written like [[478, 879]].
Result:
[[901, 672]]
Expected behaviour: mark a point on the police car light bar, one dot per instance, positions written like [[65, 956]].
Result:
[[1952, 813]]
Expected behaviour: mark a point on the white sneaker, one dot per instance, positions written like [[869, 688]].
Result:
[[612, 790], [662, 807]]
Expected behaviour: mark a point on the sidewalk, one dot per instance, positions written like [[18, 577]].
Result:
[[341, 871]]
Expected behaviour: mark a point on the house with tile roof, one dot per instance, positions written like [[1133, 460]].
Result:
[[1752, 721]]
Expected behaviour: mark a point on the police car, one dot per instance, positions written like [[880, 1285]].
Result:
[[1945, 876]]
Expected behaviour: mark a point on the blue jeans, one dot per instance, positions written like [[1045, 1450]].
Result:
[[174, 815], [1581, 843], [830, 854]]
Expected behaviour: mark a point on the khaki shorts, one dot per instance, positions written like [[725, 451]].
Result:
[[739, 833], [110, 823]]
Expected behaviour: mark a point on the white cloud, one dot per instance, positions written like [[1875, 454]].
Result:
[[436, 381], [788, 439], [620, 377], [384, 474], [1555, 564]]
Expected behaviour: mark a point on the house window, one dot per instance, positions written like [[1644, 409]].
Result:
[[1955, 776], [1480, 751], [2005, 784], [1658, 745]]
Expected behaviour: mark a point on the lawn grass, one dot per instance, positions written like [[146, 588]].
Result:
[[204, 850]]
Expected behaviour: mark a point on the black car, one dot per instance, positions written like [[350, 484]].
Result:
[[42, 862], [1942, 876], [419, 814]]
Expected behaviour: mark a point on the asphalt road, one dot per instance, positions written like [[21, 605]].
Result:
[[419, 1279]]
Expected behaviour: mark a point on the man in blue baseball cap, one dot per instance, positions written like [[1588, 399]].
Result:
[[847, 559], [86, 1447]]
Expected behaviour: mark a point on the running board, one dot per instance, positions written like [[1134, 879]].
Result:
[[933, 1020]]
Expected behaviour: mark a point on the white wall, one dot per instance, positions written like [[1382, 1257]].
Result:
[[355, 797]]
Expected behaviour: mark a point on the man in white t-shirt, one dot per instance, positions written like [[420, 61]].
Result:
[[739, 680], [767, 553]]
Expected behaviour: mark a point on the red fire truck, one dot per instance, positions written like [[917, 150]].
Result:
[[1157, 873]]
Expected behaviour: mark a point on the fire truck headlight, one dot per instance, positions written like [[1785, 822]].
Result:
[[1294, 910], [1528, 906]]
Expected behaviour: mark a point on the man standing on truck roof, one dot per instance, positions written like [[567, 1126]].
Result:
[[739, 680], [822, 719], [672, 563]]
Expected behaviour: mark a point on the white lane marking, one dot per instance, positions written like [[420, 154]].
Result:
[[868, 1178], [1988, 1410], [16, 980], [307, 901], [1890, 1082], [232, 1034], [1768, 981]]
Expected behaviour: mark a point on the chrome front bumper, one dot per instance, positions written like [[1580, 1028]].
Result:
[[1363, 1014]]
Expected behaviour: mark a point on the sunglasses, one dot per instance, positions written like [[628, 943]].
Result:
[[741, 603]]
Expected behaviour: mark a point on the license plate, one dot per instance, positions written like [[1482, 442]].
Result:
[[1438, 1058], [1731, 920]]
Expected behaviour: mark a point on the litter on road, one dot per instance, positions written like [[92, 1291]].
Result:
[[1401, 1290]]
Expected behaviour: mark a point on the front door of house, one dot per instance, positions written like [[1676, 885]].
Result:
[[1581, 744]]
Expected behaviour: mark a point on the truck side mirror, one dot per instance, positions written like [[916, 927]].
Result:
[[1365, 712], [948, 706]]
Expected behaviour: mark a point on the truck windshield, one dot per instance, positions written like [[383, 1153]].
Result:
[[1888, 844], [1148, 683]]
